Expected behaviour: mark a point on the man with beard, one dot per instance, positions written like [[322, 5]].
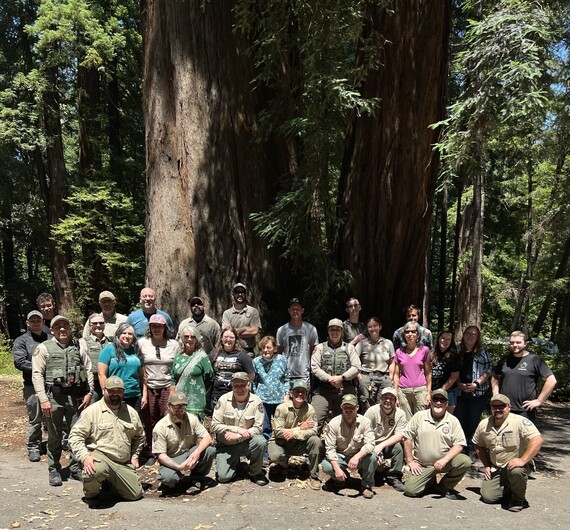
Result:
[[139, 318], [108, 439], [506, 443], [243, 318], [209, 329], [182, 446], [389, 422], [433, 444]]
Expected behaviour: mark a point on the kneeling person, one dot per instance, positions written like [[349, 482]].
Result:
[[295, 432], [349, 446], [108, 439], [238, 424], [506, 443]]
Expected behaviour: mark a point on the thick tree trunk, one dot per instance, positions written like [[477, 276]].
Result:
[[389, 171], [205, 174], [442, 275]]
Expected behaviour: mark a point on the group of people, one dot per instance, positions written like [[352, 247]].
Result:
[[131, 391]]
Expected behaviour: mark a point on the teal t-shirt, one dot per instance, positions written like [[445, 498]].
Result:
[[128, 371]]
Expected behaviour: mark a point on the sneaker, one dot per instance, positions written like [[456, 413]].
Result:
[[34, 455], [150, 462], [314, 483], [367, 493], [55, 478], [396, 483], [260, 480], [76, 475], [516, 506]]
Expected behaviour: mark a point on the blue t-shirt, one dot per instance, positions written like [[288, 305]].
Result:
[[139, 320], [128, 371]]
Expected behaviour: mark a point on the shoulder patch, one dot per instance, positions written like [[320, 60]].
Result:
[[260, 408], [35, 352], [527, 422]]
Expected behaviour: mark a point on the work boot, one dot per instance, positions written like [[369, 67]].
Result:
[[55, 478]]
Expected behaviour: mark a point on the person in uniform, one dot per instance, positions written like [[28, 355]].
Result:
[[349, 446], [506, 443], [388, 423], [63, 381], [237, 423], [108, 440], [433, 444], [335, 365], [182, 446], [209, 329], [22, 351], [295, 433], [92, 345], [112, 319]]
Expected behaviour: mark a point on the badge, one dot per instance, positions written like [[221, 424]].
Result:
[[391, 422], [218, 405], [527, 422], [260, 408], [445, 430]]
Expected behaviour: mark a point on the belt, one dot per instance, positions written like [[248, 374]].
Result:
[[372, 372]]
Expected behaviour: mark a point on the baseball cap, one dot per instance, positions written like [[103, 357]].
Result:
[[194, 299], [106, 294], [300, 384], [56, 319], [238, 285], [157, 319], [439, 392], [295, 301], [502, 398], [114, 382], [34, 313], [178, 398], [335, 323], [349, 399], [390, 391], [240, 376]]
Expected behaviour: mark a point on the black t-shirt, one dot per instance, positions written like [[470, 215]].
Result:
[[519, 376], [441, 371], [227, 364], [465, 369]]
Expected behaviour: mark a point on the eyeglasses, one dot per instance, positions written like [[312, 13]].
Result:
[[239, 292], [498, 407], [195, 304], [188, 338], [352, 306], [97, 323], [410, 331], [157, 350]]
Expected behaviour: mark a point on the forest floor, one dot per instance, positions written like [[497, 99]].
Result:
[[27, 501]]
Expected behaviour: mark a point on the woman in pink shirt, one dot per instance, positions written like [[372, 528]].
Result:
[[412, 372]]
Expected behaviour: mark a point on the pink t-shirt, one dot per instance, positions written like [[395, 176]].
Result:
[[412, 368]]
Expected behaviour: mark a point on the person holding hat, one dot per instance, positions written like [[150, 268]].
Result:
[[237, 423], [182, 446], [335, 365], [209, 329], [22, 351], [506, 444], [108, 440], [297, 340], [113, 320], [139, 318], [295, 433], [243, 318], [349, 445], [388, 423], [433, 444]]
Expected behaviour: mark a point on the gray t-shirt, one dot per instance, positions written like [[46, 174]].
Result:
[[297, 343]]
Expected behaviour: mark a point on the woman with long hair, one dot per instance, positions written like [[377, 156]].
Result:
[[124, 359], [474, 383], [445, 367], [412, 371]]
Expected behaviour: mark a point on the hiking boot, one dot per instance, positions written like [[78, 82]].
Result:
[[34, 454], [367, 493], [314, 483], [260, 480], [76, 474], [452, 495], [55, 478], [396, 483], [516, 506]]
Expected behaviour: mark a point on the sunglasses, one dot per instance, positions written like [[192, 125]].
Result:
[[157, 350], [498, 407], [439, 400]]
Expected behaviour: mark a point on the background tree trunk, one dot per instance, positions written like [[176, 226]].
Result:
[[389, 171]]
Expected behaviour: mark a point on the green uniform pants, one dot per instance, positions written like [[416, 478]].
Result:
[[367, 467], [417, 485], [63, 409], [504, 481], [280, 451], [122, 478], [170, 477], [328, 399], [396, 455], [228, 458]]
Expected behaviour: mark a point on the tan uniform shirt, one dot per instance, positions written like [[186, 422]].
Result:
[[433, 439], [119, 437], [506, 442], [386, 425], [111, 325], [316, 363], [287, 417], [375, 356], [172, 438], [346, 440], [241, 318], [39, 364], [229, 417]]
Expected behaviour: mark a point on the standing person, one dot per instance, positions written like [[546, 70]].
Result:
[[425, 337], [22, 351], [297, 340], [388, 423], [445, 367], [124, 359], [63, 382], [376, 355], [354, 328], [506, 465], [139, 319], [271, 381], [108, 440], [243, 318], [335, 366], [46, 305], [113, 320], [209, 329], [517, 375], [433, 444], [192, 372], [158, 352], [296, 433], [183, 446], [412, 372], [237, 423], [92, 345], [349, 445], [474, 384], [228, 360]]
